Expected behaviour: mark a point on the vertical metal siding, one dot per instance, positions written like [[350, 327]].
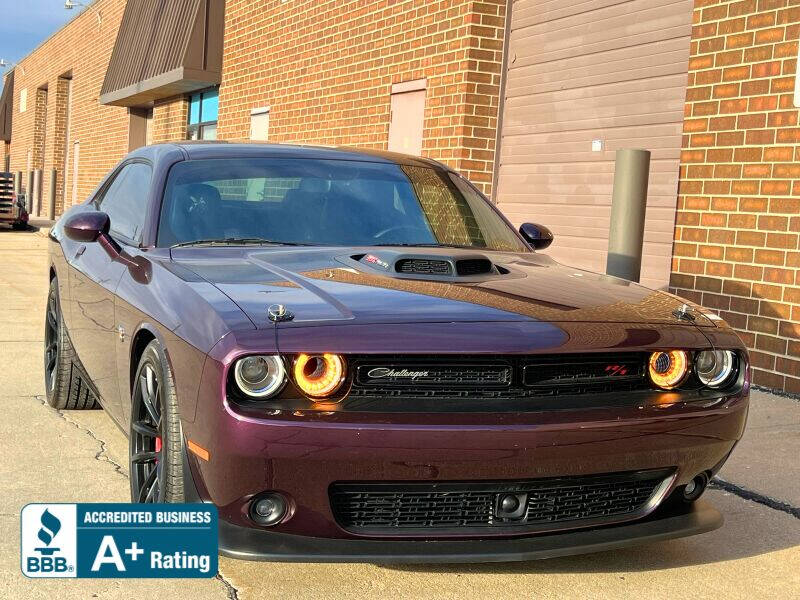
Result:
[[153, 39], [599, 69]]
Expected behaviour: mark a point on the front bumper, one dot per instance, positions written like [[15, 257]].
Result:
[[302, 456], [253, 544]]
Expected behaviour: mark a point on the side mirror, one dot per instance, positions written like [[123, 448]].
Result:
[[87, 226], [538, 236]]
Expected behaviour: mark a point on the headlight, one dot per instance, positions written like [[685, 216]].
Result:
[[669, 369], [715, 367], [260, 376], [319, 375]]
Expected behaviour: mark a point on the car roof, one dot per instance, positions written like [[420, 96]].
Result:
[[220, 149]]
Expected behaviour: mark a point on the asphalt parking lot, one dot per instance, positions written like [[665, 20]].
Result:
[[75, 456]]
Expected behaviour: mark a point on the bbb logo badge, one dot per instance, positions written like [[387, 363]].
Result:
[[48, 540]]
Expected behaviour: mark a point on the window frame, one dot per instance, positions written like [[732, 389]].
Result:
[[100, 195], [199, 127]]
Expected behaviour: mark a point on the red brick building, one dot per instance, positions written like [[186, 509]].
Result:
[[529, 98]]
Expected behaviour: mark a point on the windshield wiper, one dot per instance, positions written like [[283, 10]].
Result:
[[404, 245], [233, 241], [431, 246]]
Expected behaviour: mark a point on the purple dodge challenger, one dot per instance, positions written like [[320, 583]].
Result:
[[355, 357]]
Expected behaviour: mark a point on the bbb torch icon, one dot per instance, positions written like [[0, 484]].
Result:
[[48, 540], [51, 525]]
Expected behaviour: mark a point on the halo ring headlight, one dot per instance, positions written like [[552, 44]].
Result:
[[260, 376], [714, 368], [668, 369], [319, 375]]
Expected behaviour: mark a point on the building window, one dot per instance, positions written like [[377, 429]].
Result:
[[203, 108]]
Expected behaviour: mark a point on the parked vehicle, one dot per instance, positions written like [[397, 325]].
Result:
[[355, 357], [12, 209]]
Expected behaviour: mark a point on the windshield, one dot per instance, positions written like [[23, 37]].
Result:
[[326, 202]]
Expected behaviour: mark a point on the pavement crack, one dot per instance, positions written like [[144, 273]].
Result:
[[752, 496], [233, 593], [781, 393], [101, 454]]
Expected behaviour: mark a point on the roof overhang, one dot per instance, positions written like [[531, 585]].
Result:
[[165, 48], [7, 108]]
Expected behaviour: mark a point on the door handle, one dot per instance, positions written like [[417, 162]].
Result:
[[80, 252]]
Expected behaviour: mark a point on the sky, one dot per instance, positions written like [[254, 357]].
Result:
[[24, 24]]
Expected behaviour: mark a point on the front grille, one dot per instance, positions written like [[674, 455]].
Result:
[[548, 503], [438, 375], [423, 266], [454, 382]]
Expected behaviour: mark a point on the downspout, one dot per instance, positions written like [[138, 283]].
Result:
[[501, 100]]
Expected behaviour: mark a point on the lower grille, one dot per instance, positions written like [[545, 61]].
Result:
[[548, 504]]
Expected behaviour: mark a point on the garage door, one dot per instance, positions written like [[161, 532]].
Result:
[[584, 79]]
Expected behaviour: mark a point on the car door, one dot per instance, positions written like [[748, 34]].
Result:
[[94, 278]]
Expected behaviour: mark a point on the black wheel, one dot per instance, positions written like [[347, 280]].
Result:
[[66, 385], [156, 466]]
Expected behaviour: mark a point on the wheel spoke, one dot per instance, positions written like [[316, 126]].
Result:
[[147, 486], [51, 363], [51, 319], [148, 399], [144, 457], [144, 429]]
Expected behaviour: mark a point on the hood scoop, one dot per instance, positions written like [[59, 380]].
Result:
[[424, 266]]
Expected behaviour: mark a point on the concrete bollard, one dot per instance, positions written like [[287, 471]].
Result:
[[37, 192], [51, 201], [29, 193], [628, 206]]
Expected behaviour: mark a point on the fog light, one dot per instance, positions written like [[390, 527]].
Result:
[[695, 488], [268, 509]]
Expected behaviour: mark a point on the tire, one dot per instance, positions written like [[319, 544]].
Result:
[[156, 442], [66, 385]]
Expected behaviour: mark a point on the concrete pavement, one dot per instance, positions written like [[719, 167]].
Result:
[[81, 456]]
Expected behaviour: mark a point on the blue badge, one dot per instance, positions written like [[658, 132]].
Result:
[[119, 540]]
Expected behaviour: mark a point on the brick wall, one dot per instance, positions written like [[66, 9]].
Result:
[[738, 222], [326, 70], [170, 118], [81, 50], [56, 148]]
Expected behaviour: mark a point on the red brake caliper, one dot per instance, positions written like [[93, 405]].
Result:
[[158, 445]]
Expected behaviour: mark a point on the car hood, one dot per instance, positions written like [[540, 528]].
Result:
[[326, 286]]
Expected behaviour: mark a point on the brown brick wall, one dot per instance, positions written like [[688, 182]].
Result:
[[326, 70], [57, 146], [170, 118], [738, 222], [81, 50]]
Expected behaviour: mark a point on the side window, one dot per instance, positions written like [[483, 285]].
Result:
[[125, 200]]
